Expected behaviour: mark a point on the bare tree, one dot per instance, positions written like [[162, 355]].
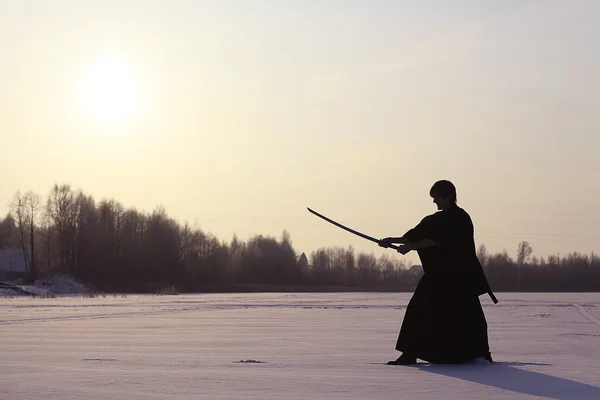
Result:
[[367, 267], [303, 262], [32, 214], [524, 252], [17, 208], [26, 210], [482, 255], [62, 210], [8, 227]]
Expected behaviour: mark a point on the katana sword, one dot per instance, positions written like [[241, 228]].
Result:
[[362, 235]]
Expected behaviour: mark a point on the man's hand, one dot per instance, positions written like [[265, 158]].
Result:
[[385, 242]]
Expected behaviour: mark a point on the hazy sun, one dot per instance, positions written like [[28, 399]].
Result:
[[109, 91]]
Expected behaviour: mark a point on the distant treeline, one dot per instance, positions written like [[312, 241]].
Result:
[[117, 249]]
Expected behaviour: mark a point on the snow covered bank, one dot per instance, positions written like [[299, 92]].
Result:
[[54, 286]]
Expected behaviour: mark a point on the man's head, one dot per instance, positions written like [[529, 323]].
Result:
[[444, 194]]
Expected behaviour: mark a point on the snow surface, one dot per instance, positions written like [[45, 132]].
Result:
[[285, 346]]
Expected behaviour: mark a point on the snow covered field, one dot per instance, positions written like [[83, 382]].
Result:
[[285, 346]]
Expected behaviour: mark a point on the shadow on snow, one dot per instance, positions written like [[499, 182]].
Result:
[[508, 376]]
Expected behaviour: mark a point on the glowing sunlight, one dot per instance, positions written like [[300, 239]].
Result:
[[109, 91]]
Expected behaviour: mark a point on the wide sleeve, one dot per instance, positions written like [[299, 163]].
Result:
[[434, 227]]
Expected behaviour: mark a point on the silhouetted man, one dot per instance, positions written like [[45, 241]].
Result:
[[444, 321]]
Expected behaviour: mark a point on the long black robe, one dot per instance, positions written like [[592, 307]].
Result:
[[444, 321]]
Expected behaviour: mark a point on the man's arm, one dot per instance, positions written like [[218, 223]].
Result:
[[407, 245], [421, 244]]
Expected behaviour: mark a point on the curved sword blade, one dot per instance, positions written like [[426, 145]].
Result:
[[362, 235]]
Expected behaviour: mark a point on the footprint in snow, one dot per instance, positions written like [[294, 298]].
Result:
[[251, 362]]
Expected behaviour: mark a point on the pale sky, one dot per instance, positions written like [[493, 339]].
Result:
[[237, 115]]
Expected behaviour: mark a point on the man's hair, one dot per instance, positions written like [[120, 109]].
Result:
[[444, 188]]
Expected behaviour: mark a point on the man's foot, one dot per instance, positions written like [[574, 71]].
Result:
[[488, 357], [404, 360]]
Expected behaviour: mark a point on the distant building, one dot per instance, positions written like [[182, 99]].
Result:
[[12, 264]]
